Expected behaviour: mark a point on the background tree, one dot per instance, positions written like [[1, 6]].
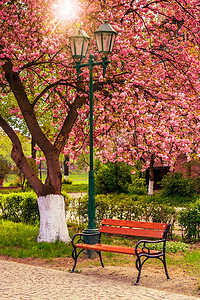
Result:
[[152, 114], [4, 170]]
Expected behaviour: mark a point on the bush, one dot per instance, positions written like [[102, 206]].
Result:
[[118, 178], [176, 184], [19, 207], [189, 219], [173, 247], [125, 207], [67, 181], [23, 207], [112, 177], [138, 185]]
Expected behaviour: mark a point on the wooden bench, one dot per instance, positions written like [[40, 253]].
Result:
[[156, 231]]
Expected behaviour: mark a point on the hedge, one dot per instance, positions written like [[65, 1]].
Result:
[[19, 207], [22, 207], [122, 206]]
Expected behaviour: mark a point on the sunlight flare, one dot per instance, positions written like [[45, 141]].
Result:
[[65, 9]]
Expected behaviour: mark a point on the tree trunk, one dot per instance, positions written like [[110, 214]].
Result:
[[150, 187], [52, 219], [151, 177], [1, 181], [66, 167]]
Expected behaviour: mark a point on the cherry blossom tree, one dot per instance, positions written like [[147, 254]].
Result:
[[151, 112], [147, 107]]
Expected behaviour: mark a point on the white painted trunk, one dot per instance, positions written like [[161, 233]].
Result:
[[52, 219], [150, 188]]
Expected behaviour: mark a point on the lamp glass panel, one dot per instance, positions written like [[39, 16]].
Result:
[[112, 42], [99, 41], [78, 46], [72, 46], [85, 47], [106, 41]]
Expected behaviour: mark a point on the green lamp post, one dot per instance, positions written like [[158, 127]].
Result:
[[79, 41]]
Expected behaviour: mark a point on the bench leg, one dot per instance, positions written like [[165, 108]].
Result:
[[139, 268], [74, 256], [165, 266], [99, 252]]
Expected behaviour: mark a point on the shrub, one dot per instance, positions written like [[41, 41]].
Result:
[[189, 219], [171, 246], [118, 178], [125, 207], [112, 177], [23, 207], [138, 185], [176, 184], [19, 207], [29, 208], [67, 181]]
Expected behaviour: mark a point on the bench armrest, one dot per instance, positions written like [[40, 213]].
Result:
[[82, 235], [144, 242]]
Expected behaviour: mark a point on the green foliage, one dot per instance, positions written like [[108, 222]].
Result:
[[189, 219], [4, 168], [171, 246], [138, 185], [112, 177], [67, 181], [19, 207], [67, 200], [22, 181], [176, 184], [5, 147], [118, 178], [125, 207], [175, 200]]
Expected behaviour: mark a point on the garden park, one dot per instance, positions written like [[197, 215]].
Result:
[[103, 124], [119, 195]]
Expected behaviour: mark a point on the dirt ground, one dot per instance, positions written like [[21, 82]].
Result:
[[180, 282]]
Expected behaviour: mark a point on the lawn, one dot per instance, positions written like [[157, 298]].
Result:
[[81, 178]]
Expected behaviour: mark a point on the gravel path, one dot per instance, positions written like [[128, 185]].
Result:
[[21, 281]]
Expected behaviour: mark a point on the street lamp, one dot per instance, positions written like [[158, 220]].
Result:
[[79, 41]]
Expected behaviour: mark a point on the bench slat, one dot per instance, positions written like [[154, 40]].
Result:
[[132, 231], [134, 224], [112, 248]]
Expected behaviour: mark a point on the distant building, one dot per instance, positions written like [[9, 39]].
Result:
[[188, 169]]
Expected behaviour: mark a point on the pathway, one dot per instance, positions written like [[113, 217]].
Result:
[[20, 281]]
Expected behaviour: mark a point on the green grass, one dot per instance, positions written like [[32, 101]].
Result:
[[8, 179], [20, 240], [79, 178], [70, 188]]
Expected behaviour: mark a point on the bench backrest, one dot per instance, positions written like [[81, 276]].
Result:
[[134, 228]]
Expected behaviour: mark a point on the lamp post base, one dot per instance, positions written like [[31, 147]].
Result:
[[91, 239]]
